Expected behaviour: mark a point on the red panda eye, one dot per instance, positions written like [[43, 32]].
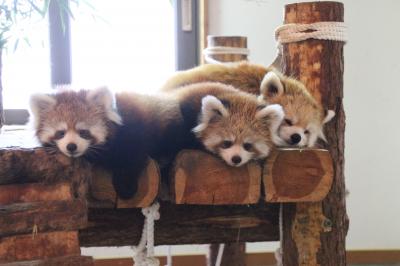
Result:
[[85, 134], [306, 132], [247, 146], [59, 134], [226, 144], [289, 122]]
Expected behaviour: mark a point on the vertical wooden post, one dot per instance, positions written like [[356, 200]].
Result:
[[314, 233], [228, 41], [234, 253], [1, 91]]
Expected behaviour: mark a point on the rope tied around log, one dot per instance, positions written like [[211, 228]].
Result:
[[325, 30], [218, 50], [146, 243]]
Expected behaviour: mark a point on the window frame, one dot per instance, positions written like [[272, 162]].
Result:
[[187, 45]]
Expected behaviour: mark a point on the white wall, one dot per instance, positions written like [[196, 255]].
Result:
[[372, 104]]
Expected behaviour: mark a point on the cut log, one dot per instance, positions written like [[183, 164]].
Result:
[[61, 261], [11, 194], [228, 41], [292, 175], [201, 178], [319, 65], [183, 224], [37, 165], [23, 218], [102, 189], [39, 246]]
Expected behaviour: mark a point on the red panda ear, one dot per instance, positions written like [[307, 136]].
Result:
[[212, 108], [274, 114], [104, 97], [271, 86], [329, 114], [40, 103]]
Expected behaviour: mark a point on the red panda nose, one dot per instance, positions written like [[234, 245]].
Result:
[[71, 147], [295, 138], [236, 159]]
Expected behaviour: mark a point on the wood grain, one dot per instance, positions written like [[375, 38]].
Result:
[[319, 65], [40, 246], [184, 224], [297, 175], [104, 195], [202, 178], [34, 192], [23, 218]]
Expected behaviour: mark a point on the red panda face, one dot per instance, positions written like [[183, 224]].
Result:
[[73, 122], [304, 118], [238, 128]]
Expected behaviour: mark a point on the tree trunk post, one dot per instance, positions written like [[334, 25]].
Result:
[[314, 233], [1, 91]]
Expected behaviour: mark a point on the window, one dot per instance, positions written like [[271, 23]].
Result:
[[130, 45], [131, 48]]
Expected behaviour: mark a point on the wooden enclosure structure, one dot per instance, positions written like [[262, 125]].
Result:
[[204, 200]]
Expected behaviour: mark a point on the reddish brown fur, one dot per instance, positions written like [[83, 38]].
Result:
[[247, 77]]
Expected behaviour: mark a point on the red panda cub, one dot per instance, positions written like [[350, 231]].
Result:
[[234, 125], [304, 116]]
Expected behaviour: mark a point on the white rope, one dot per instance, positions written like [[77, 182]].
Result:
[[328, 30], [219, 255], [218, 50], [146, 243]]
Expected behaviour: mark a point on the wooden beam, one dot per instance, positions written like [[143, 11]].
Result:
[[34, 192], [60, 261], [183, 224], [21, 165], [319, 65], [24, 218], [296, 175], [40, 246], [201, 178]]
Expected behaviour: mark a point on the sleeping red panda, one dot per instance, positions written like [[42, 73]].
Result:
[[217, 117], [304, 116]]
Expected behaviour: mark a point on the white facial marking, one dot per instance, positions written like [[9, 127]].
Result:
[[276, 114], [47, 132], [235, 150], [262, 148], [72, 137], [211, 141], [98, 130]]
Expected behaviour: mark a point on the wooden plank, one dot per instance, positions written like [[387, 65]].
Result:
[[23, 218], [319, 65], [34, 192], [293, 175], [183, 224], [39, 246], [60, 261], [21, 165], [201, 178]]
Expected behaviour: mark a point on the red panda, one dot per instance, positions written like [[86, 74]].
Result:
[[232, 124], [304, 116]]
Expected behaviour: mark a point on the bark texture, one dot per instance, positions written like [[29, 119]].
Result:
[[319, 65]]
